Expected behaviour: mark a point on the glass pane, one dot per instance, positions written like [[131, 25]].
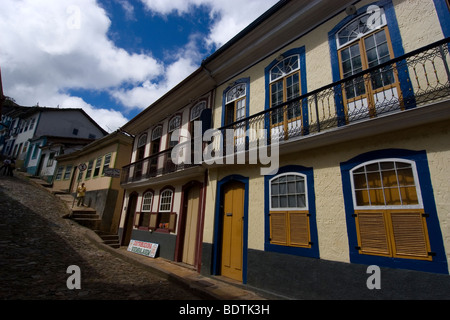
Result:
[[283, 189], [409, 196], [405, 177], [275, 202], [374, 180], [359, 181], [292, 201], [372, 167], [291, 188], [362, 197], [301, 186], [283, 202], [376, 197], [389, 178], [301, 201], [274, 189], [392, 197]]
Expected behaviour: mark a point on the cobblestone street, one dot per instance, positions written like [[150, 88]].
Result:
[[37, 246]]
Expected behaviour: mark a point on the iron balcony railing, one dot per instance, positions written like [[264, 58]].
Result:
[[412, 80]]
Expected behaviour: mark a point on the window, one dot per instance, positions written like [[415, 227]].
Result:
[[106, 163], [89, 169], [174, 124], [165, 204], [289, 214], [35, 151], [196, 111], [33, 121], [285, 86], [146, 217], [68, 172], [165, 221], [98, 165], [140, 154], [389, 214], [362, 44], [51, 159], [59, 173], [75, 132]]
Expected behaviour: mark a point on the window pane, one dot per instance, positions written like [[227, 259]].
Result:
[[283, 202], [409, 196], [376, 197], [392, 197], [292, 201], [405, 177], [301, 201], [275, 202], [291, 187], [374, 180], [362, 198], [359, 181], [275, 189], [389, 178]]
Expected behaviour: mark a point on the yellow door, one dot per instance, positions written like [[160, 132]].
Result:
[[232, 238], [190, 235]]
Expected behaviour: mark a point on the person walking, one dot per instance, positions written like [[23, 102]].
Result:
[[5, 167], [81, 193]]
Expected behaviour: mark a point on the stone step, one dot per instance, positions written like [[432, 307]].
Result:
[[88, 223]]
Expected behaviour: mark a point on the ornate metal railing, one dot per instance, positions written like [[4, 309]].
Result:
[[412, 80]]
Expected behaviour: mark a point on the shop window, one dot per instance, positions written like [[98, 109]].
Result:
[[389, 213]]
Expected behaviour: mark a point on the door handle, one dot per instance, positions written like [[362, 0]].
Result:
[[229, 214]]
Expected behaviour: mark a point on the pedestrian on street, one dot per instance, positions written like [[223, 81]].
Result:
[[11, 167], [5, 167], [81, 193]]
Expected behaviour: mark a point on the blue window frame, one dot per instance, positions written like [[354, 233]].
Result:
[[297, 197], [419, 163]]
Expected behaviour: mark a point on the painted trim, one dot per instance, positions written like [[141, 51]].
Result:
[[439, 263], [217, 226], [443, 12], [397, 48], [312, 252]]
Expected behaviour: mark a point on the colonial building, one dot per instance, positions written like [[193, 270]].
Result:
[[103, 188], [33, 128], [330, 154]]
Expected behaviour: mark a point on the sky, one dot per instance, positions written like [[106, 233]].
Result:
[[113, 58]]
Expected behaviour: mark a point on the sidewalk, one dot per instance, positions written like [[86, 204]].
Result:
[[212, 288]]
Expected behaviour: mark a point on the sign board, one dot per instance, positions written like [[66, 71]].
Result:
[[147, 249], [82, 167], [111, 172]]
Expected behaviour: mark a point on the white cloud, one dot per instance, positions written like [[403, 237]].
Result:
[[49, 46], [231, 16]]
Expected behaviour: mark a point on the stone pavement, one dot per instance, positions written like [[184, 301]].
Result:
[[38, 244]]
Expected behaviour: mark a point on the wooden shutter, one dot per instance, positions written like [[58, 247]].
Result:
[[299, 229], [372, 233], [172, 222], [153, 220], [137, 218], [410, 236], [278, 228]]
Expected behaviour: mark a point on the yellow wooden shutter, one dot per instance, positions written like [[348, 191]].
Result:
[[278, 228], [137, 218], [172, 222], [410, 236], [153, 220], [299, 229], [372, 233]]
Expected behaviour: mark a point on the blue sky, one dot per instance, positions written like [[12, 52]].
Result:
[[113, 58]]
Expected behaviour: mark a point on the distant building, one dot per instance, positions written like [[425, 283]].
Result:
[[29, 130], [104, 193]]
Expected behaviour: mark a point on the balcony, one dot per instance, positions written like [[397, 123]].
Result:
[[157, 165], [414, 80], [417, 79]]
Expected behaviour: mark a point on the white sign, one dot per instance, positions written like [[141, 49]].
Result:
[[111, 172], [143, 248]]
